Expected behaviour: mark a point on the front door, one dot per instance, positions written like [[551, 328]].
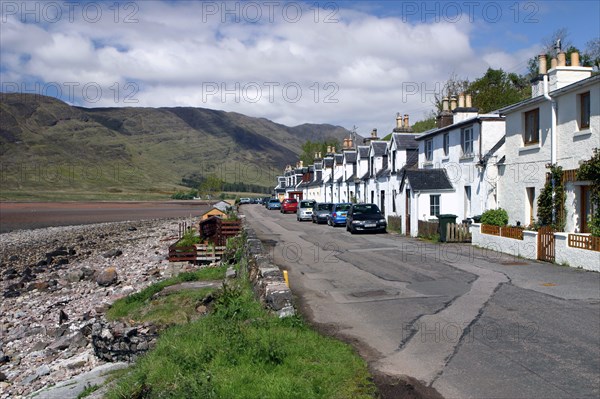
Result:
[[382, 198]]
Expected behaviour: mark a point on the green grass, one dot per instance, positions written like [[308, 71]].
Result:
[[89, 389], [140, 307], [241, 351]]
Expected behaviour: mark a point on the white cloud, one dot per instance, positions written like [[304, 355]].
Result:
[[351, 72]]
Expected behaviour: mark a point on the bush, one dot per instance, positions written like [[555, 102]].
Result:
[[495, 217]]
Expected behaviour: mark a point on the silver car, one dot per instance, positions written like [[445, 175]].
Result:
[[305, 210], [321, 211]]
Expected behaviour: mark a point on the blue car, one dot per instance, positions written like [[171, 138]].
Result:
[[337, 217], [274, 203]]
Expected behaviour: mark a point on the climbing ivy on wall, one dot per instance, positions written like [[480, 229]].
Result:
[[590, 170], [545, 207]]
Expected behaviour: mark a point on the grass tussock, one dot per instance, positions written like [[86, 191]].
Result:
[[171, 309], [242, 351]]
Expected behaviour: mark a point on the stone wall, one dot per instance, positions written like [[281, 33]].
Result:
[[267, 280], [119, 341]]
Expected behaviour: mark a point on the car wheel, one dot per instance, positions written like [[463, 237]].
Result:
[[352, 231]]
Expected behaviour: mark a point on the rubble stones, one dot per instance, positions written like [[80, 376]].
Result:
[[107, 277], [30, 334]]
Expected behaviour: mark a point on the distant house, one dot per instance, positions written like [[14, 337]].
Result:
[[219, 209], [561, 128]]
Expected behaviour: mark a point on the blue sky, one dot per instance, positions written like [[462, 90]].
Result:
[[340, 62]]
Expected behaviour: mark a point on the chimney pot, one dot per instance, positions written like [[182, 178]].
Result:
[[329, 149], [553, 63], [574, 59], [542, 68], [461, 100], [452, 103], [333, 150], [468, 101], [562, 59], [398, 120], [445, 106], [374, 133], [406, 125]]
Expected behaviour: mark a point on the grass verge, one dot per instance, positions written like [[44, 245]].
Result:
[[242, 351], [170, 309]]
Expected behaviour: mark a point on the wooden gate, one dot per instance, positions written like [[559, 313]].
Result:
[[545, 244]]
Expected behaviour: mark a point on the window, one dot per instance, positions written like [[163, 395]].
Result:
[[584, 110], [394, 201], [434, 205], [467, 201], [532, 127], [466, 141], [446, 143], [429, 150]]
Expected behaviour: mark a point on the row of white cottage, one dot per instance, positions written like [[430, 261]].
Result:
[[472, 162]]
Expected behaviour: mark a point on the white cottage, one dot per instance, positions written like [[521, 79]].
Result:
[[559, 125]]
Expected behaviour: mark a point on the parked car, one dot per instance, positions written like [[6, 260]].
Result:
[[321, 212], [305, 210], [245, 201], [289, 205], [338, 214], [365, 217], [273, 203]]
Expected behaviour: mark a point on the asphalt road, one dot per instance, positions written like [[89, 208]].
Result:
[[468, 322]]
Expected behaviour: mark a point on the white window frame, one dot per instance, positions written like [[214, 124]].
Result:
[[428, 150], [466, 141]]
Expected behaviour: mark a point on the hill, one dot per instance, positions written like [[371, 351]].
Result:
[[50, 149]]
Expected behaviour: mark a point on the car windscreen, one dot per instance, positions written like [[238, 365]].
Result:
[[324, 207], [365, 209], [342, 207], [306, 204]]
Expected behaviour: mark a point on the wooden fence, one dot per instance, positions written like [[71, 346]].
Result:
[[507, 232], [428, 229], [584, 242], [458, 232]]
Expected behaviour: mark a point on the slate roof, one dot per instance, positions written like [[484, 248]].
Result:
[[317, 182], [383, 173], [328, 162], [363, 151], [340, 179], [350, 156], [379, 148], [222, 206], [427, 179], [365, 176], [339, 159], [351, 179], [404, 141]]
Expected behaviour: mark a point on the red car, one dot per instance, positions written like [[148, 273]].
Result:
[[289, 205]]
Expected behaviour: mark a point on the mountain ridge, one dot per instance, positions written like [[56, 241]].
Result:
[[50, 146]]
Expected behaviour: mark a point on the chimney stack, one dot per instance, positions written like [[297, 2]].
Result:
[[374, 133], [468, 101], [452, 103], [542, 68], [461, 100], [445, 106], [398, 121], [574, 59], [562, 59]]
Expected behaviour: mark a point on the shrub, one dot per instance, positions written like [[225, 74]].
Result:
[[495, 217]]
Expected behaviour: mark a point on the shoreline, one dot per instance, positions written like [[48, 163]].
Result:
[[46, 272]]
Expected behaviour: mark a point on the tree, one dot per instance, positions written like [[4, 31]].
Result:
[[453, 87], [310, 148], [210, 186], [425, 125], [497, 89]]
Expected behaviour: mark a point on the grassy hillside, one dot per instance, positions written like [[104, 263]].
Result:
[[50, 150]]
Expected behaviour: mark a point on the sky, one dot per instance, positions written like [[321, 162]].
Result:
[[348, 63]]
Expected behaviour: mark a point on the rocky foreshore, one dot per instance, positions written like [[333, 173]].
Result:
[[55, 285]]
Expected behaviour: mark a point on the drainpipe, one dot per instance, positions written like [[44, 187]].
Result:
[[553, 143]]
